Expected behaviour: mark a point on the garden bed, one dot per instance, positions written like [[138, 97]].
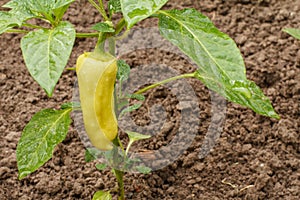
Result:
[[255, 158]]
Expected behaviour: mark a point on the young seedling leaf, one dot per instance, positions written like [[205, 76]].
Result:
[[220, 61], [123, 70], [134, 136], [102, 195], [293, 32], [103, 27], [101, 166], [130, 109], [135, 11], [8, 21], [46, 53], [46, 129]]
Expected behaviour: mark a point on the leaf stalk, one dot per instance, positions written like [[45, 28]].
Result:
[[189, 75]]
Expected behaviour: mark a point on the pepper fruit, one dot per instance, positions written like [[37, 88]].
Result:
[[96, 73]]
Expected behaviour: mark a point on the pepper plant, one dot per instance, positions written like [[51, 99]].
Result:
[[46, 50]]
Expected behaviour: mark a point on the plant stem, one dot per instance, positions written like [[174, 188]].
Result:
[[112, 46], [103, 10], [16, 31], [120, 25], [87, 35], [101, 42], [33, 26], [49, 18], [190, 75], [128, 147], [119, 175], [71, 68], [100, 8]]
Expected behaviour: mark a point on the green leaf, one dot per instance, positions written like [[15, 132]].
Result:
[[20, 10], [103, 27], [46, 53], [245, 93], [135, 11], [102, 195], [221, 66], [215, 52], [121, 103], [45, 6], [114, 6], [130, 109], [25, 9], [124, 101], [59, 3], [123, 70], [59, 12], [293, 32], [46, 129], [41, 6], [101, 166], [91, 154], [134, 136], [8, 21], [139, 97], [143, 169], [72, 105]]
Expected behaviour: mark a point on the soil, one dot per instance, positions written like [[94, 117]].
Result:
[[255, 157]]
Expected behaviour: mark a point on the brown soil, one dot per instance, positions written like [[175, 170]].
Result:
[[255, 157]]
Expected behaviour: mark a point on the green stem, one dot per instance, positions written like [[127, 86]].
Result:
[[87, 35], [49, 18], [16, 31], [124, 35], [71, 68], [190, 75], [120, 25], [119, 175], [100, 8], [103, 10], [128, 147], [33, 26], [112, 46], [101, 42]]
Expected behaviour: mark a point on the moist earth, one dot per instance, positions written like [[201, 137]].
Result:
[[255, 157]]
